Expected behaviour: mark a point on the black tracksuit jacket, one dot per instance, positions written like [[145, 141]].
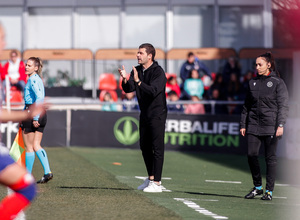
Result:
[[151, 93], [266, 105]]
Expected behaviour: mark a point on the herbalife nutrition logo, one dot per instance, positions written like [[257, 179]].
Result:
[[126, 130]]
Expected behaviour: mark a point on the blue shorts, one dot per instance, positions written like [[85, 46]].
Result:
[[5, 159]]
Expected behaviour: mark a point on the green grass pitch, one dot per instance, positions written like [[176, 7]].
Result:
[[100, 183]]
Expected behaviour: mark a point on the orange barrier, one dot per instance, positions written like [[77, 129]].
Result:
[[123, 54], [127, 54], [211, 53], [59, 54], [279, 53], [6, 54]]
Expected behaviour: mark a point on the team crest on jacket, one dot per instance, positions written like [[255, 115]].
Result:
[[254, 83], [270, 84]]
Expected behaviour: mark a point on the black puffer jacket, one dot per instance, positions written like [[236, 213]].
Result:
[[151, 93], [266, 105]]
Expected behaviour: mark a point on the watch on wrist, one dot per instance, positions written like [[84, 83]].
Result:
[[138, 81], [280, 125]]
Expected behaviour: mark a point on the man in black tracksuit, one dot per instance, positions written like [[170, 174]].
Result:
[[149, 81], [263, 117]]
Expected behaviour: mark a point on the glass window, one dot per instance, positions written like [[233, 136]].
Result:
[[49, 28], [11, 19], [241, 27], [144, 25], [97, 28], [193, 27]]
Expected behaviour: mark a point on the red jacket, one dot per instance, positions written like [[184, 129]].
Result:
[[175, 88], [1, 70], [4, 71]]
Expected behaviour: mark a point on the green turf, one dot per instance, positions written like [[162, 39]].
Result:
[[189, 172], [87, 185]]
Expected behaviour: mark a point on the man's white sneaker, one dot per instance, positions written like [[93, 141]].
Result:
[[153, 187], [144, 185]]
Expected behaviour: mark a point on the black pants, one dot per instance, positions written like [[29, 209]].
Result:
[[270, 144], [152, 133]]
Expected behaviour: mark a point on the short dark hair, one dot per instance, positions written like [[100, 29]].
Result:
[[149, 49], [190, 54], [172, 92]]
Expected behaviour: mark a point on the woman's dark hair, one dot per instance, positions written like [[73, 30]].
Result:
[[190, 73], [268, 57]]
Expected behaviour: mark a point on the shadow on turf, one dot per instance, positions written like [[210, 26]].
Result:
[[241, 162], [230, 160], [129, 189], [91, 187], [212, 194]]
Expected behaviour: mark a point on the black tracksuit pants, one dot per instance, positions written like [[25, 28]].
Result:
[[152, 133], [270, 144]]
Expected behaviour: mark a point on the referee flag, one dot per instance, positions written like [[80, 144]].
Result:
[[17, 150]]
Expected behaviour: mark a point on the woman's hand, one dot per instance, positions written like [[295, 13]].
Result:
[[36, 124], [279, 132], [243, 131]]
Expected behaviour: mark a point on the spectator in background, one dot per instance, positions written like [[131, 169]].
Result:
[[173, 97], [191, 63], [130, 102], [15, 69], [195, 108], [110, 106], [234, 88], [245, 84], [220, 109], [232, 66], [234, 93], [193, 86], [172, 85], [220, 85]]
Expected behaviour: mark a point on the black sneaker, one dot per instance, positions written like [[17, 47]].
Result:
[[254, 192], [46, 178], [267, 196]]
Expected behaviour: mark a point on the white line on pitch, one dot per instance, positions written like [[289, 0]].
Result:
[[192, 199], [278, 184], [144, 177], [199, 209], [276, 197], [221, 181]]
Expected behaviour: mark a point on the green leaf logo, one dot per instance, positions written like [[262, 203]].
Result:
[[126, 130]]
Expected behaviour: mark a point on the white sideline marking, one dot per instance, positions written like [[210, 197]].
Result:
[[206, 200], [144, 177], [164, 189], [275, 197], [199, 209], [221, 181], [278, 184]]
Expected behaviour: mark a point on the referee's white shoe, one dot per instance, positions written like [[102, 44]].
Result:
[[153, 188]]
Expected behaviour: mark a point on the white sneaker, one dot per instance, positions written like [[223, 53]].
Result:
[[144, 185], [153, 187]]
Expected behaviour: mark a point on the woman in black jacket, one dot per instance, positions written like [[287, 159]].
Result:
[[263, 117]]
